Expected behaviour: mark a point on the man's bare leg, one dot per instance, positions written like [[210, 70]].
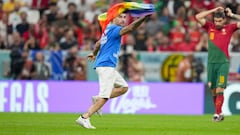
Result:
[[118, 92], [101, 101], [94, 107]]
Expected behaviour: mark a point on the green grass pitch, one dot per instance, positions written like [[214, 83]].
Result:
[[116, 124]]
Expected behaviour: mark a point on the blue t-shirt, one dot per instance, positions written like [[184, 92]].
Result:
[[109, 48]]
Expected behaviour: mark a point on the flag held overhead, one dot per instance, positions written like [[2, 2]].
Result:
[[133, 8]]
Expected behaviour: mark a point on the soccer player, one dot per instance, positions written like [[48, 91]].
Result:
[[106, 52], [218, 56]]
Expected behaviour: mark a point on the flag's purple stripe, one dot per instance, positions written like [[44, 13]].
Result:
[[140, 12]]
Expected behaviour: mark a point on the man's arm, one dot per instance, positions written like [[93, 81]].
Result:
[[96, 48], [232, 15], [200, 17], [93, 55], [131, 27]]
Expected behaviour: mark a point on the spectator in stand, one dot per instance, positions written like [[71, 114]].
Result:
[[82, 25], [140, 36], [59, 33], [70, 24], [95, 30], [9, 5], [2, 44], [202, 45], [150, 44], [31, 44], [163, 44], [232, 5], [186, 45], [194, 33], [190, 16], [158, 36], [135, 68], [16, 64], [52, 44], [63, 6], [14, 17], [173, 6], [88, 44], [17, 41], [40, 5], [177, 34], [72, 13], [82, 5], [4, 32], [166, 19], [127, 50], [130, 43], [158, 5], [43, 68], [181, 15], [153, 25], [52, 13], [21, 67], [235, 43], [74, 65], [41, 31], [23, 27], [29, 70], [200, 5], [68, 41], [90, 14]]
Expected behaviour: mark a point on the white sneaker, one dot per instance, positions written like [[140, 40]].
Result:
[[94, 100], [85, 123]]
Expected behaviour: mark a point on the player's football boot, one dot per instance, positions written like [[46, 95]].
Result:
[[218, 118]]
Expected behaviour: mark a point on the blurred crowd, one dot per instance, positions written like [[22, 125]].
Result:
[[72, 26]]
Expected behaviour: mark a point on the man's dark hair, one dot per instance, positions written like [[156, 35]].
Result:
[[72, 4], [219, 14], [52, 4]]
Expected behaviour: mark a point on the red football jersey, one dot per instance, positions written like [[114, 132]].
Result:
[[218, 42]]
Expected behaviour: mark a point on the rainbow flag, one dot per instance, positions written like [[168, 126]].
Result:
[[135, 10]]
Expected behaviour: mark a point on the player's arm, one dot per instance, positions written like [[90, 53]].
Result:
[[201, 17], [232, 15], [92, 56], [131, 27]]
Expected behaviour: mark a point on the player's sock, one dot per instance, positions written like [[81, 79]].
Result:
[[214, 100], [219, 103]]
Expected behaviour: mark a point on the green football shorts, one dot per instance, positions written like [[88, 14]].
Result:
[[217, 75]]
